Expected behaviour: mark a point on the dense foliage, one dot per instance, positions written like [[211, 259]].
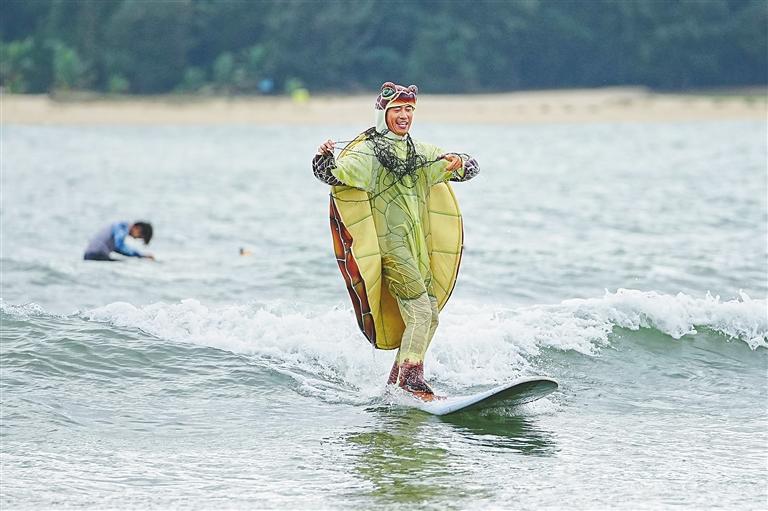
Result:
[[236, 46]]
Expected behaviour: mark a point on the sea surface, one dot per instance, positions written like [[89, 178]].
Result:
[[627, 261]]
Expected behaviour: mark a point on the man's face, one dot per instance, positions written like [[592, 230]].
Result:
[[135, 232], [399, 119]]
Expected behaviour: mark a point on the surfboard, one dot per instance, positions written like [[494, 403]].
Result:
[[517, 392]]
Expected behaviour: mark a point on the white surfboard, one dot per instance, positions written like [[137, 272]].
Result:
[[517, 392]]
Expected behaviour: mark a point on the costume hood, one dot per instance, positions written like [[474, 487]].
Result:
[[392, 95]]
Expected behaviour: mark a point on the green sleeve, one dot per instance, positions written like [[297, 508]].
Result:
[[436, 172], [356, 169]]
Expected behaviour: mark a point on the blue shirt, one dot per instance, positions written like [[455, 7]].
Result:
[[112, 239]]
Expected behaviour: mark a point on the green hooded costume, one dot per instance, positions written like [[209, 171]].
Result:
[[396, 188]]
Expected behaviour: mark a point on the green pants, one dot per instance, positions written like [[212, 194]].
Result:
[[420, 318]]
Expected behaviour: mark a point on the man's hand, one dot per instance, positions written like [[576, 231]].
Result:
[[454, 162], [326, 148], [148, 256]]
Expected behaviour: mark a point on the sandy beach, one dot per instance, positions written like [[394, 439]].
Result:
[[578, 106]]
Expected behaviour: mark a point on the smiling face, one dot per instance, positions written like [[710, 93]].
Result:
[[394, 108], [399, 119]]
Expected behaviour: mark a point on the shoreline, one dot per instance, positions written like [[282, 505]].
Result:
[[620, 104]]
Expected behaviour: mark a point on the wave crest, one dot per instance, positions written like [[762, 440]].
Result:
[[474, 345]]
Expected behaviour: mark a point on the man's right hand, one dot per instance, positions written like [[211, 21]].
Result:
[[326, 148]]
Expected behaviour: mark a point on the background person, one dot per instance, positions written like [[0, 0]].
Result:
[[111, 238]]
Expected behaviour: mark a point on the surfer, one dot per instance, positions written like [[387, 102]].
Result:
[[111, 238], [397, 173]]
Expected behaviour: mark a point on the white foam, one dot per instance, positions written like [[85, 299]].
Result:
[[475, 345], [326, 343], [743, 318], [22, 311]]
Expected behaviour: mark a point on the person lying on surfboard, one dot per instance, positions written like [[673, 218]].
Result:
[[395, 220]]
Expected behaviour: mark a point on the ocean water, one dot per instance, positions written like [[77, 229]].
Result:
[[627, 261]]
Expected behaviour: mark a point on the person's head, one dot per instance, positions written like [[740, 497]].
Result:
[[141, 230], [394, 108]]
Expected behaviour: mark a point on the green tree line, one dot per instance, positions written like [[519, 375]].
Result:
[[237, 46]]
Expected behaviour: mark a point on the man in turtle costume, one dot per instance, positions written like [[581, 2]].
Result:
[[388, 185]]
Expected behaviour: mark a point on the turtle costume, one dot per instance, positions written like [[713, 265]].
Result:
[[398, 234]]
